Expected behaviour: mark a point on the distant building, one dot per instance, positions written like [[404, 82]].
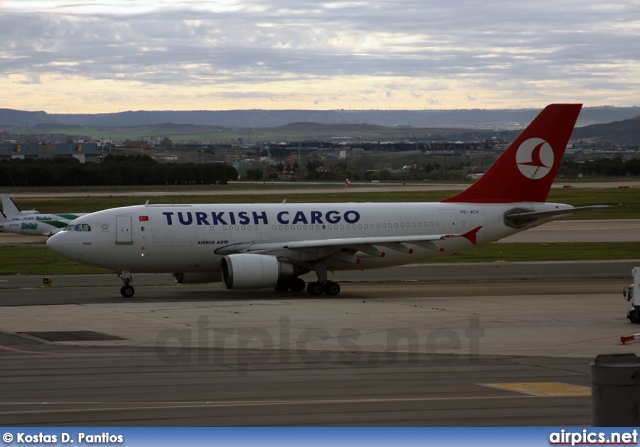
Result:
[[85, 152], [167, 158], [137, 144]]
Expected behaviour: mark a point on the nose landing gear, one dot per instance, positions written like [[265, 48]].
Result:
[[127, 289]]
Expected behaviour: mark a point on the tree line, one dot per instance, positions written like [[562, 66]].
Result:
[[114, 170], [143, 170], [612, 167]]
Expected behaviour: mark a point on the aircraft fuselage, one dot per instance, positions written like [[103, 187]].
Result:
[[184, 238]]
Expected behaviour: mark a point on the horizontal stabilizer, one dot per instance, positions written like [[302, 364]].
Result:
[[472, 236], [523, 217]]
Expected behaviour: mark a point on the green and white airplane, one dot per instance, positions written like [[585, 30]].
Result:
[[31, 222]]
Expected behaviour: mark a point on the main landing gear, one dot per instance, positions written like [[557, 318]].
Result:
[[314, 288], [127, 289], [295, 285], [328, 288]]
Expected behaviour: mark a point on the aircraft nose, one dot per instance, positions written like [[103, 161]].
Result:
[[59, 244]]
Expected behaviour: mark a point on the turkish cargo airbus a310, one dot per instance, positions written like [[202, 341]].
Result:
[[252, 246]]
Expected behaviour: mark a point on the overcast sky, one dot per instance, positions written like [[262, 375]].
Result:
[[115, 55]]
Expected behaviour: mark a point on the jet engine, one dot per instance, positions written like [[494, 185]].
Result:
[[252, 271], [195, 278]]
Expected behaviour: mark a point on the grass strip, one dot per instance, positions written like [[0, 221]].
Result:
[[38, 260]]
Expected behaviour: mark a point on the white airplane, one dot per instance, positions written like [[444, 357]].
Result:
[[13, 220], [251, 246]]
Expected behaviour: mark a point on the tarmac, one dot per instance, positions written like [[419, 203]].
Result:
[[556, 317], [480, 350], [491, 344]]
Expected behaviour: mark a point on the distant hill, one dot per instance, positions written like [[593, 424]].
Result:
[[315, 127], [622, 132], [471, 118], [21, 118]]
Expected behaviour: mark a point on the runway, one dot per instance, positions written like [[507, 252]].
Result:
[[135, 387], [413, 346]]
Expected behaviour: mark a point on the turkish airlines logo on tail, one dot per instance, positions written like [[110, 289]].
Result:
[[535, 158]]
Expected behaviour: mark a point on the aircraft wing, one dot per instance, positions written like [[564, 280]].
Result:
[[329, 247]]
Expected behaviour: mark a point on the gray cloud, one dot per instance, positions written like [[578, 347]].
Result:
[[499, 45]]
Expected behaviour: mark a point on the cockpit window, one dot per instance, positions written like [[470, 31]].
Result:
[[80, 227]]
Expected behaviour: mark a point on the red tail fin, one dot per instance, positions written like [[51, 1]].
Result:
[[525, 172]]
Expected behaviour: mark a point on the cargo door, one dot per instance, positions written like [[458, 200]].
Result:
[[124, 230]]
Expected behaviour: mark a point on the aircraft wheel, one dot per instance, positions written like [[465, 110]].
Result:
[[314, 288], [281, 288], [127, 291], [331, 288], [297, 285]]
